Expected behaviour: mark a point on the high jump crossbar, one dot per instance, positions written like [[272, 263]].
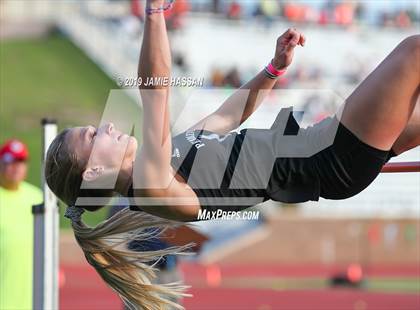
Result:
[[46, 234], [411, 166]]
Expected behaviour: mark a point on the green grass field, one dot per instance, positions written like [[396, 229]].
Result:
[[374, 284], [48, 77]]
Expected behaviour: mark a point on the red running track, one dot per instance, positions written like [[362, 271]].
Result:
[[84, 290], [343, 299], [275, 270]]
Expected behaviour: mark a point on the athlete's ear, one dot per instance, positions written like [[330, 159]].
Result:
[[93, 173]]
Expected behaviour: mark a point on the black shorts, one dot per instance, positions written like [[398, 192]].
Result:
[[339, 171], [348, 166]]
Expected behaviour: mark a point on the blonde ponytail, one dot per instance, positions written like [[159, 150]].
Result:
[[128, 272]]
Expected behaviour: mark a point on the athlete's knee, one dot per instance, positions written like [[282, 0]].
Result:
[[408, 58], [411, 47]]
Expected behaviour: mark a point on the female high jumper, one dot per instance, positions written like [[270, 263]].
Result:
[[376, 122]]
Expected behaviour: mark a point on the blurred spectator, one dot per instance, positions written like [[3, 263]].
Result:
[[414, 14], [179, 60], [232, 78], [359, 11], [303, 74], [295, 12], [216, 6], [16, 227], [323, 17], [386, 19], [167, 266], [217, 78], [137, 9], [343, 14], [403, 20], [234, 11], [269, 10], [175, 16]]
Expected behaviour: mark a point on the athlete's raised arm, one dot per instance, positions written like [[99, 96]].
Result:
[[241, 104], [155, 61], [153, 176]]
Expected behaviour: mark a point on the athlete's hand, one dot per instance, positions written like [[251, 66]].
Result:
[[286, 44]]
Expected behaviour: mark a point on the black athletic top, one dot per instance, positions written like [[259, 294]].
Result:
[[207, 162], [240, 169]]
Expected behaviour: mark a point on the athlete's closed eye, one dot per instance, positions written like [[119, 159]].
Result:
[[93, 134]]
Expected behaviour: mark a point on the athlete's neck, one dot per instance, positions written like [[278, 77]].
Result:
[[125, 178]]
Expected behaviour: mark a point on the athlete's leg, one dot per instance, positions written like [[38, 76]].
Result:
[[378, 110]]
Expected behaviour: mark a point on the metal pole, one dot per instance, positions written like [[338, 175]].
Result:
[[46, 226]]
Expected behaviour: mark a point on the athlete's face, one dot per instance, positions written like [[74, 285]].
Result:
[[103, 146], [12, 174]]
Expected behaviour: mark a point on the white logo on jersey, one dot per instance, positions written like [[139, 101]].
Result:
[[176, 153], [214, 136], [189, 135]]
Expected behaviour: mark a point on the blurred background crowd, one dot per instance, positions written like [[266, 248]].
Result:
[[400, 14], [345, 15]]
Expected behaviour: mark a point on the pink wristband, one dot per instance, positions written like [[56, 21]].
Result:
[[274, 71]]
